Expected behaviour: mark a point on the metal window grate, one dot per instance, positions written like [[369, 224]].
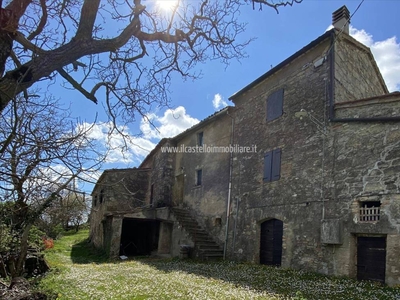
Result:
[[370, 214]]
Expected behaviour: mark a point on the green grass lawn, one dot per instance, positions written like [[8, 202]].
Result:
[[79, 273]]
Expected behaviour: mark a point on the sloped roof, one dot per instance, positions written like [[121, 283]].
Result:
[[203, 122], [108, 171]]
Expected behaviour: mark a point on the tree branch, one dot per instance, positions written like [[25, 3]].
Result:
[[76, 85], [88, 17], [42, 23], [26, 43], [275, 5]]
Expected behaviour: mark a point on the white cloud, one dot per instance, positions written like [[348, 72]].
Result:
[[122, 148], [386, 53], [173, 122], [127, 148], [219, 102]]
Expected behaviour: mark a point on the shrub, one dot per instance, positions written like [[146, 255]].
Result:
[[48, 243]]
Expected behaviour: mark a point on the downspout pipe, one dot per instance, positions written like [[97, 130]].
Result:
[[332, 117], [228, 205]]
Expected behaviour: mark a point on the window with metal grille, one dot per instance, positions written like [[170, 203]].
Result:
[[370, 211]]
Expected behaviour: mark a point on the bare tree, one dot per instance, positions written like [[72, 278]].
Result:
[[69, 211], [126, 49], [43, 152]]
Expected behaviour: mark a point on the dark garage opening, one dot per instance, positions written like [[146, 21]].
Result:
[[139, 237]]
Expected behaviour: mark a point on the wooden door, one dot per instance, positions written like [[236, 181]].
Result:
[[371, 258], [271, 242]]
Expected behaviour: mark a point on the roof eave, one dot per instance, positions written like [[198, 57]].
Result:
[[303, 50], [202, 123]]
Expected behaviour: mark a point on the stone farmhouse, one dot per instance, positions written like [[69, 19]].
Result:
[[320, 192]]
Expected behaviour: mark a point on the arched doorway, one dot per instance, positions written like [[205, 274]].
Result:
[[271, 242]]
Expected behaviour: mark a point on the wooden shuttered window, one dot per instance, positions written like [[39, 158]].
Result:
[[272, 165], [276, 165], [275, 105], [267, 166]]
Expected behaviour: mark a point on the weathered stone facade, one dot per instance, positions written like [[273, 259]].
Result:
[[118, 191], [165, 179], [329, 167], [162, 177], [207, 201], [323, 182], [356, 74], [298, 189]]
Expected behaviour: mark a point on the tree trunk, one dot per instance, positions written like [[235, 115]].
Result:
[[6, 43], [3, 271], [19, 269]]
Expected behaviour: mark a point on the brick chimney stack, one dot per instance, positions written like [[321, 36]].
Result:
[[341, 19]]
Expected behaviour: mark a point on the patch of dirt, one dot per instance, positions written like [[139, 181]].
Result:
[[19, 289]]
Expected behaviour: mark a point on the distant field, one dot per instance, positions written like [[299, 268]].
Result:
[[81, 274]]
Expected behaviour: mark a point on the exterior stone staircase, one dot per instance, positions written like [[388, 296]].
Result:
[[205, 247]]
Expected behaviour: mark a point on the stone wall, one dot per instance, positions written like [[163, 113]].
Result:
[[162, 175], [386, 106], [324, 177], [295, 198], [356, 73], [207, 201], [121, 190], [365, 163]]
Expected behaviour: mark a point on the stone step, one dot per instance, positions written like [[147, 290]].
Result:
[[210, 246], [205, 240], [207, 247], [192, 225], [212, 256], [212, 252]]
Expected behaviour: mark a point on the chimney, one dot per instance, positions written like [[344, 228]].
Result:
[[341, 19]]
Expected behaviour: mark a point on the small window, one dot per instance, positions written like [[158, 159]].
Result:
[[370, 211], [199, 177], [272, 165], [275, 105], [200, 139], [151, 195], [101, 196]]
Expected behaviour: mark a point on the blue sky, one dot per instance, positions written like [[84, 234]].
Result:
[[376, 24]]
